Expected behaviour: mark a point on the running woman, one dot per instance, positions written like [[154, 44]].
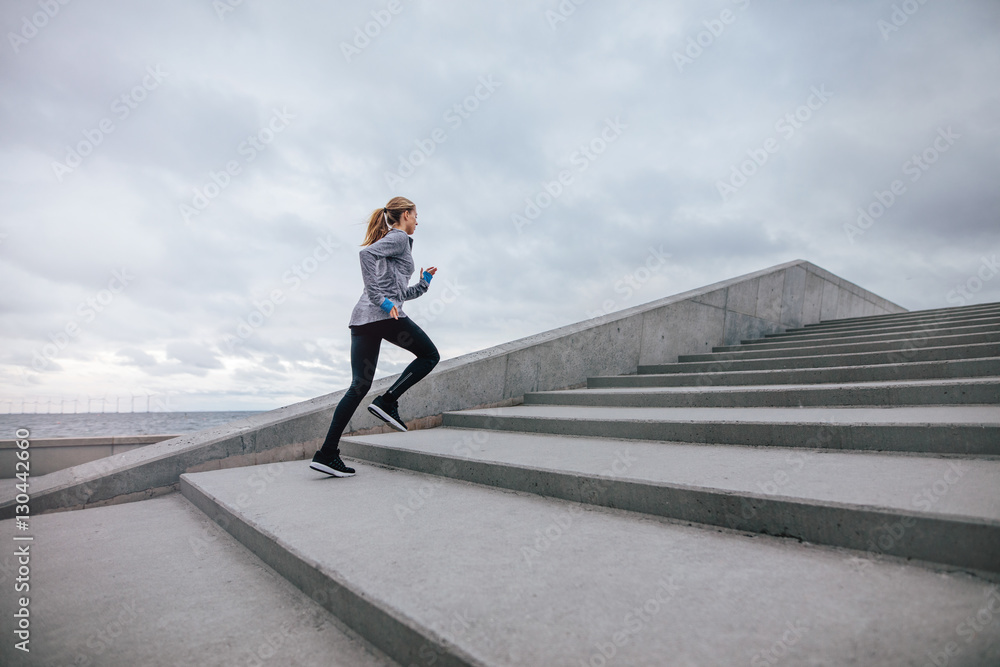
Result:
[[386, 267]]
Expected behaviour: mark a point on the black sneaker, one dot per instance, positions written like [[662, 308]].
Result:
[[387, 412], [331, 466]]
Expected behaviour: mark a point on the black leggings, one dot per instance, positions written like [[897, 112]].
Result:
[[366, 341]]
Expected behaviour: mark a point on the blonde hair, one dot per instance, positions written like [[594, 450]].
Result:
[[382, 218]]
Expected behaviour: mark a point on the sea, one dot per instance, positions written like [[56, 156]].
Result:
[[102, 424]]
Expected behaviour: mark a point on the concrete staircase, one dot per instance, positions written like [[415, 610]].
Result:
[[828, 495]]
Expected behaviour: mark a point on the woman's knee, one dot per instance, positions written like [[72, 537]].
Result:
[[360, 387]]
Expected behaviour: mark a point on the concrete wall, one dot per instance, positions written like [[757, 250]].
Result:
[[54, 454], [772, 300]]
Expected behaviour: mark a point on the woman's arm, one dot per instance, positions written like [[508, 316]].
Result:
[[378, 281], [413, 291]]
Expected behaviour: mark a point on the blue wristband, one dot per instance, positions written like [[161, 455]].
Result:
[[387, 306], [428, 276]]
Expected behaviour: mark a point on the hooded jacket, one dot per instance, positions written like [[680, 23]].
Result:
[[386, 268]]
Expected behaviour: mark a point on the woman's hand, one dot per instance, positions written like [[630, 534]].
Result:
[[432, 270], [394, 313]]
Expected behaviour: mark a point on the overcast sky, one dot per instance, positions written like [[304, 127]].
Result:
[[184, 185]]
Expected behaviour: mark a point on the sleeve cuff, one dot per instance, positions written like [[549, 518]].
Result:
[[387, 305], [428, 276]]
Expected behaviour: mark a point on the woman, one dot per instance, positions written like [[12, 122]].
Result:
[[386, 267]]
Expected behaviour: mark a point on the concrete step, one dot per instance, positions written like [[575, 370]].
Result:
[[908, 330], [939, 340], [835, 498], [919, 370], [965, 430], [156, 583], [922, 392], [473, 575], [861, 326], [993, 307], [898, 356], [819, 339]]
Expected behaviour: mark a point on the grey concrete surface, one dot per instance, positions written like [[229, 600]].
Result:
[[920, 321], [718, 376], [805, 341], [958, 314], [920, 392], [967, 429], [847, 500], [508, 578], [789, 294], [156, 583], [861, 326], [966, 487], [968, 309], [901, 343], [972, 415], [903, 355], [52, 454]]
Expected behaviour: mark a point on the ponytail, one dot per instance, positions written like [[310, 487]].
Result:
[[382, 219]]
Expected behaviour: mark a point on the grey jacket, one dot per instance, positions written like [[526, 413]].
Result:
[[386, 267]]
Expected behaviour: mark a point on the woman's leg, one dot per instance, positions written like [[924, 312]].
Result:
[[364, 356], [406, 334]]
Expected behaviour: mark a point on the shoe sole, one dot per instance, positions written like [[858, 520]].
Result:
[[328, 470], [386, 417]]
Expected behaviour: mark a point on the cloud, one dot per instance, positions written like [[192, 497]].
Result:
[[202, 133], [137, 357], [192, 354]]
